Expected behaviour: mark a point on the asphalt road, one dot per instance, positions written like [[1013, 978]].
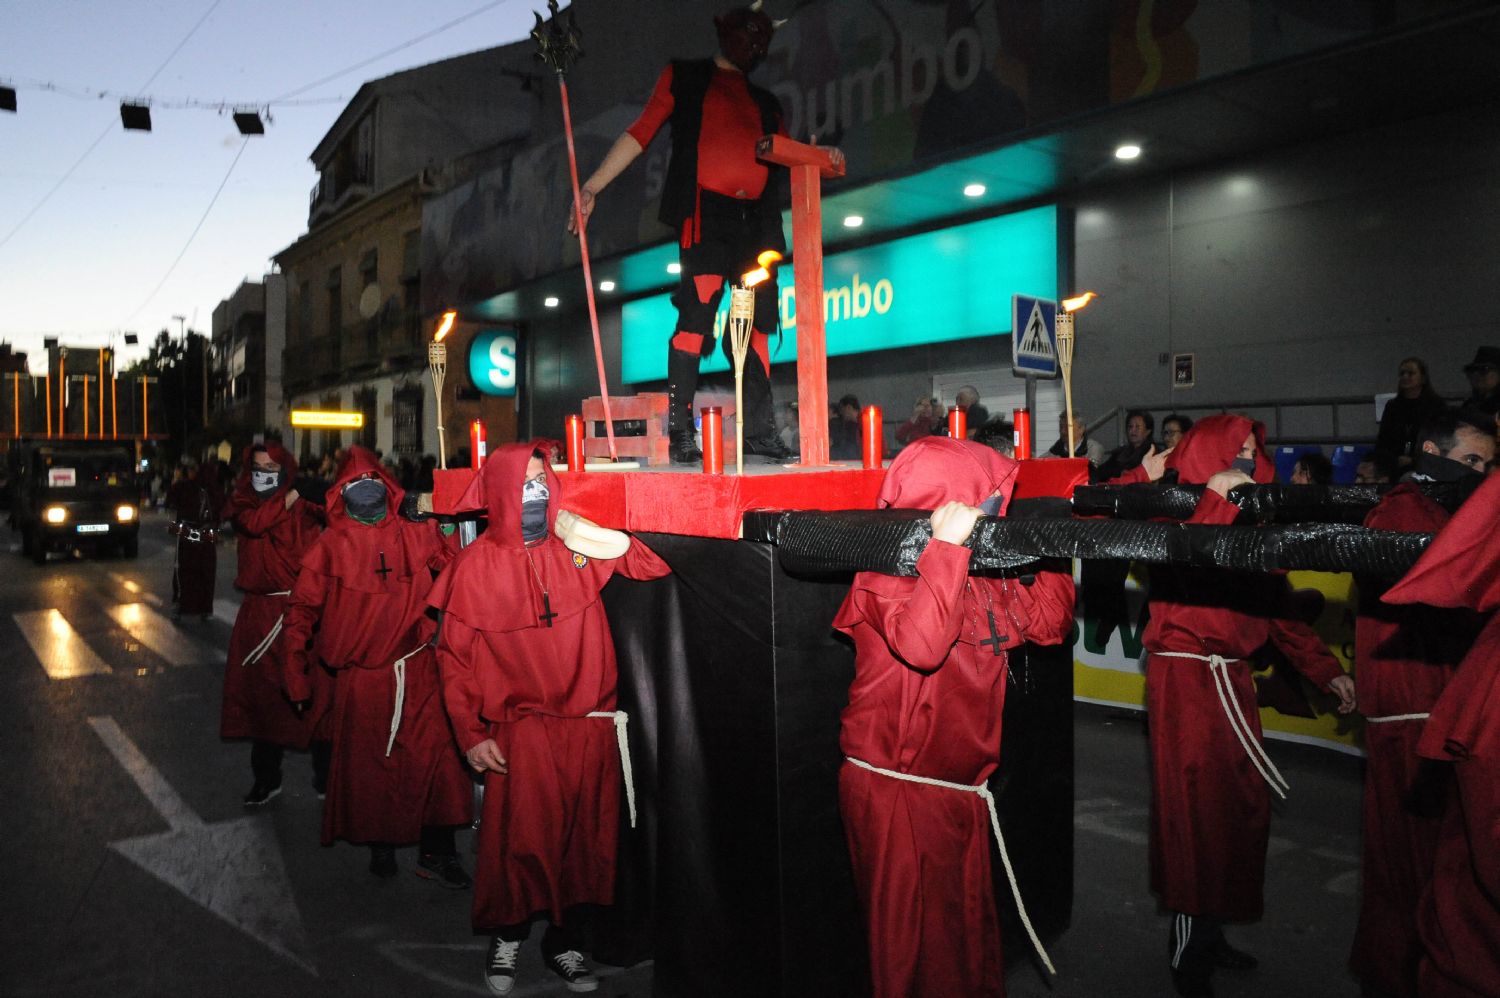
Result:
[[138, 872]]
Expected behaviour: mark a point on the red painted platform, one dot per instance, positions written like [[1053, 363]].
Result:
[[698, 505]]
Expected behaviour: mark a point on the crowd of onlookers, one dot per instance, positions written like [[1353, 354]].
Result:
[[1415, 404]]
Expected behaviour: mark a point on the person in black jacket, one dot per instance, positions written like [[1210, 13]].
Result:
[[1415, 403], [725, 206]]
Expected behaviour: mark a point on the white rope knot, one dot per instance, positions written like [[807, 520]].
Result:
[[1218, 667], [1392, 718], [399, 668], [622, 719], [982, 791]]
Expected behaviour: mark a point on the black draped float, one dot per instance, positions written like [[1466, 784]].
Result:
[[1257, 503]]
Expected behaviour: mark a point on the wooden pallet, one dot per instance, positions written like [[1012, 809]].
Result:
[[650, 408]]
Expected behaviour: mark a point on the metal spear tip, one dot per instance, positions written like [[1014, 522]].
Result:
[[557, 39]]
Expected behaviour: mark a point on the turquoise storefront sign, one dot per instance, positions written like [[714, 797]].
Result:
[[493, 361], [951, 284]]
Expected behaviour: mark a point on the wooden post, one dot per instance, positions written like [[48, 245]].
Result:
[[808, 164]]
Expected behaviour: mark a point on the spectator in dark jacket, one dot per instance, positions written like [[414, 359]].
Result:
[[1415, 403]]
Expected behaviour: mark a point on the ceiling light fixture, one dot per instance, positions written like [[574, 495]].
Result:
[[550, 301], [1127, 152], [853, 221], [606, 285], [674, 268], [974, 191]]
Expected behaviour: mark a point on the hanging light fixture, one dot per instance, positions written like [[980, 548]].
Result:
[[249, 123], [135, 117]]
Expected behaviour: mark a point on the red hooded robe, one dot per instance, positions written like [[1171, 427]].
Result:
[[927, 700], [272, 540], [1210, 807], [364, 587], [1404, 657], [1459, 916], [526, 654]]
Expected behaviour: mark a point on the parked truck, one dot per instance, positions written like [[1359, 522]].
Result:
[[74, 494]]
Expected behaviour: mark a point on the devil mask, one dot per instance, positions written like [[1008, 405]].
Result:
[[745, 36]]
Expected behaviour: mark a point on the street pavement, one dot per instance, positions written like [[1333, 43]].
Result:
[[138, 871]]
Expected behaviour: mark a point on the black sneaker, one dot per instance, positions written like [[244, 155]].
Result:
[[684, 448], [261, 793], [443, 870], [770, 448], [500, 966], [575, 973], [383, 861]]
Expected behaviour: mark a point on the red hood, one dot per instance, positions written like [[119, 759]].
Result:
[[275, 452], [1461, 567], [497, 490], [361, 461], [1212, 445], [935, 470]]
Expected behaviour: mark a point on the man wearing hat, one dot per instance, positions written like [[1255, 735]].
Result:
[[1484, 378]]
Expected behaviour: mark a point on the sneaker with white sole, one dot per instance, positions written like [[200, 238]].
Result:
[[500, 966], [570, 966]]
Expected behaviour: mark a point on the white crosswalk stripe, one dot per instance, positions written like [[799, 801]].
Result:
[[136, 589], [57, 646], [160, 635]]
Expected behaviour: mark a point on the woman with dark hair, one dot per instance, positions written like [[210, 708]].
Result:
[[1415, 403]]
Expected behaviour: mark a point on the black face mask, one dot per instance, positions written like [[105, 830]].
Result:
[[1245, 464], [1434, 468], [365, 500], [534, 496]]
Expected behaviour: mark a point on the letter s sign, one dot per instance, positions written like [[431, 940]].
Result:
[[494, 362]]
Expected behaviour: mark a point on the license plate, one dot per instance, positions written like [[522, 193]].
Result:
[[93, 528]]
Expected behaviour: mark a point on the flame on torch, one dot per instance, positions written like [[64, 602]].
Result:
[[445, 326], [1074, 304], [767, 259]]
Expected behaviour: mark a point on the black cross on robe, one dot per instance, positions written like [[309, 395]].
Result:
[[995, 638], [547, 616], [383, 570]]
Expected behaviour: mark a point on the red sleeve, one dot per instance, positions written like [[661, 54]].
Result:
[[1307, 652], [922, 628], [1044, 608], [1479, 791], [641, 563], [1134, 476], [656, 112], [254, 520], [303, 609], [1214, 509], [461, 693]]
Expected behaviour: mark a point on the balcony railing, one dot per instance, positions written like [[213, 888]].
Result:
[[360, 349]]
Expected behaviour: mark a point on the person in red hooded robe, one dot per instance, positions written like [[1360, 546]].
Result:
[[1210, 806], [194, 500], [921, 734], [529, 681], [1403, 658], [1458, 917], [360, 603], [275, 527]]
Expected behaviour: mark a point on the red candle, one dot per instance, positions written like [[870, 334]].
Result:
[[574, 425], [958, 423], [873, 437], [1022, 437], [476, 444], [713, 440]]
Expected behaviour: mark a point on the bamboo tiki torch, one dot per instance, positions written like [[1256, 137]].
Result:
[[437, 363], [741, 319], [1065, 341]]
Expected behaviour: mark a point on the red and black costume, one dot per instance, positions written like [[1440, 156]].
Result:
[[926, 705], [1458, 917], [194, 500], [359, 607], [725, 206], [535, 670], [1210, 803], [272, 540]]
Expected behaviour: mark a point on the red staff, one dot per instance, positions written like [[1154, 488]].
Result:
[[557, 46]]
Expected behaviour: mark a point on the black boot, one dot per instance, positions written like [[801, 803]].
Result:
[[1190, 954], [761, 437], [265, 764], [682, 385]]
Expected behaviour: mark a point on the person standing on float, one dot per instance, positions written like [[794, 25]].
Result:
[[359, 607], [274, 527], [1210, 802], [725, 206], [921, 734], [529, 682]]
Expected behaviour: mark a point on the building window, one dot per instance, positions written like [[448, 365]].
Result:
[[304, 310], [406, 411], [367, 401], [411, 281], [369, 266], [335, 287]]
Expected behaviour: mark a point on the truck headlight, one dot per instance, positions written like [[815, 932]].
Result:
[[56, 514], [124, 513]]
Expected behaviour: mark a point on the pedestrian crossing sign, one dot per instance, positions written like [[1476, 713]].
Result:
[[1033, 337]]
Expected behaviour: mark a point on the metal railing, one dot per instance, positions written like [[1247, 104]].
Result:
[[1328, 420]]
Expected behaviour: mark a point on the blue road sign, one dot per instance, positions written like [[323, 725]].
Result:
[[1033, 337]]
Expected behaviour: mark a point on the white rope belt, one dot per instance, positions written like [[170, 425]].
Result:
[[621, 719], [983, 792], [270, 639], [400, 669], [1218, 667], [1390, 718]]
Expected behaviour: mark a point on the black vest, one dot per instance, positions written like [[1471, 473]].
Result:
[[690, 80]]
